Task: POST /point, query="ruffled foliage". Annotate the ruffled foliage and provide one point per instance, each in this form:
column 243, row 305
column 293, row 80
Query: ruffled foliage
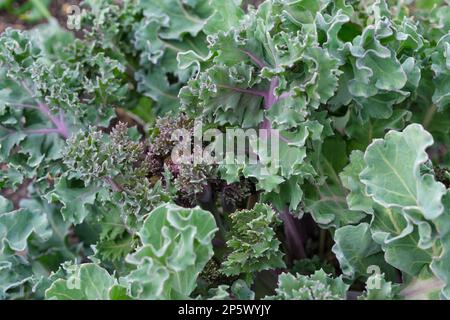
column 253, row 245
column 318, row 286
column 94, row 203
column 395, row 186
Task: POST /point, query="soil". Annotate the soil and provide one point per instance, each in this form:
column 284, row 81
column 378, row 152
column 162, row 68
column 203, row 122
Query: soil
column 57, row 9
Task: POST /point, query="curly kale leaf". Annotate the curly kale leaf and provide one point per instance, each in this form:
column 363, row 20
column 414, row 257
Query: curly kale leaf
column 176, row 245
column 88, row 281
column 395, row 185
column 377, row 288
column 318, row 286
column 253, row 242
column 22, row 231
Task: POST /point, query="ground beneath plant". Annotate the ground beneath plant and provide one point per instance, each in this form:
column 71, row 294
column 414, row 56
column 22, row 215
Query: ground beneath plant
column 57, row 9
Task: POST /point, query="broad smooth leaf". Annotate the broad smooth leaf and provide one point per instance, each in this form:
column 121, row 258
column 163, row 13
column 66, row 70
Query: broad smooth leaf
column 393, row 177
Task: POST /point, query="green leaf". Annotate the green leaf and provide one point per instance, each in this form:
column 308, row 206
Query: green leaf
column 318, row 286
column 17, row 226
column 14, row 274
column 441, row 69
column 176, row 245
column 179, row 17
column 377, row 288
column 326, row 200
column 356, row 252
column 253, row 245
column 84, row 282
column 441, row 263
column 393, row 178
column 75, row 199
column 357, row 198
column 226, row 15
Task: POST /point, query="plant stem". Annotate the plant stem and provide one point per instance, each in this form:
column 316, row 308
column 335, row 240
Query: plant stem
column 58, row 122
column 114, row 185
column 293, row 236
column 420, row 289
column 429, row 116
column 255, row 59
column 285, row 95
column 322, row 239
column 211, row 207
column 353, row 295
column 270, row 98
column 249, row 91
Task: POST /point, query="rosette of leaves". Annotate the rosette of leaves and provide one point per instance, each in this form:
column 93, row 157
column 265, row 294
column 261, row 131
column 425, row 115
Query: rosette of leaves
column 372, row 106
column 318, row 286
column 271, row 73
column 384, row 64
column 87, row 281
column 148, row 35
column 46, row 95
column 249, row 68
column 175, row 247
column 256, row 76
column 114, row 164
column 331, row 76
column 164, row 137
column 191, row 181
column 107, row 182
column 394, row 184
column 253, row 244
column 27, row 144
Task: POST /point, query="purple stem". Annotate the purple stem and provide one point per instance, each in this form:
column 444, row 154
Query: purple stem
column 266, row 124
column 249, row 91
column 58, row 122
column 255, row 59
column 271, row 98
column 61, row 127
column 293, row 237
column 269, row 101
column 353, row 295
column 218, row 242
column 114, row 185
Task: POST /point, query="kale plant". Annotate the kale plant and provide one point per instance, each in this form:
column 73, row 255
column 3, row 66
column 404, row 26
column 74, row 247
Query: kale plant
column 100, row 201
